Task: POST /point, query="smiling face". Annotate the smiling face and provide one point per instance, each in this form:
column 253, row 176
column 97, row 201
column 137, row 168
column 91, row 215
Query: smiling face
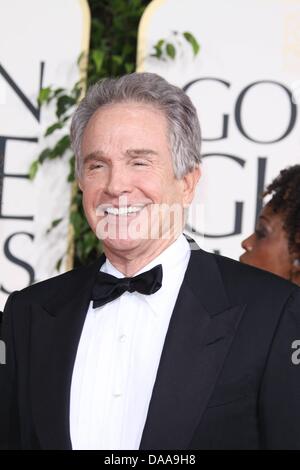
column 127, row 163
column 267, row 248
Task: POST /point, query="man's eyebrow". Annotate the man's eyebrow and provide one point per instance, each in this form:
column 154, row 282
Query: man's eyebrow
column 140, row 152
column 93, row 156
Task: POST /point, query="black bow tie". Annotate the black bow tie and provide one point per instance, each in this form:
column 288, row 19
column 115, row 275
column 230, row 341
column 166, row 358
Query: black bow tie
column 108, row 287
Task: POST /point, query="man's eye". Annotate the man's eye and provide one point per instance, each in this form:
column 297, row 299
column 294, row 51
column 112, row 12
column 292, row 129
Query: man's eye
column 95, row 166
column 140, row 163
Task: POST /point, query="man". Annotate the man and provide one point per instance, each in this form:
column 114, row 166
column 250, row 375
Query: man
column 155, row 345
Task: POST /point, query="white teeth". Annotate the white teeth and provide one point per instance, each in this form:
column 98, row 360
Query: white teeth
column 123, row 210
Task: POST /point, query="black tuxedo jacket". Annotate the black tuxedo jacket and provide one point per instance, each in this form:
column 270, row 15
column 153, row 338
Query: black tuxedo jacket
column 226, row 379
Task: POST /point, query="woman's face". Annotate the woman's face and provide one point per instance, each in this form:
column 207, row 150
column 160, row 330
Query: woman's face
column 267, row 248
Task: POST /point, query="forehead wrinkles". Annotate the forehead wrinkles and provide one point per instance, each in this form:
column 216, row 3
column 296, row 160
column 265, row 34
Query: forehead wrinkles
column 129, row 113
column 110, row 129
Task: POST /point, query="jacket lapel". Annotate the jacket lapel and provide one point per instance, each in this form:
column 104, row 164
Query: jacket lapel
column 56, row 330
column 200, row 333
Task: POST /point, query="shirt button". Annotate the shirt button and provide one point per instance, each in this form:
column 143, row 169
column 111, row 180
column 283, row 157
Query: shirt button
column 122, row 338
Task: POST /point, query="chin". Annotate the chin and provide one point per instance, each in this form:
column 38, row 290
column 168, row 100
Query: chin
column 121, row 244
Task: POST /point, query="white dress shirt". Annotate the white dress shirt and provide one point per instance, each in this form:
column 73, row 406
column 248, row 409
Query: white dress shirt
column 118, row 357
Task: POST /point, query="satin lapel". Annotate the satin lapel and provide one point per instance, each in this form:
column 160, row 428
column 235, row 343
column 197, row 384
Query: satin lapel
column 56, row 330
column 201, row 330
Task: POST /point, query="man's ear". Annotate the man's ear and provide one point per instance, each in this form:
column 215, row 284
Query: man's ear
column 295, row 270
column 79, row 184
column 190, row 181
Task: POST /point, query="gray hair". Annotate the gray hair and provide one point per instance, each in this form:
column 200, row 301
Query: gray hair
column 149, row 88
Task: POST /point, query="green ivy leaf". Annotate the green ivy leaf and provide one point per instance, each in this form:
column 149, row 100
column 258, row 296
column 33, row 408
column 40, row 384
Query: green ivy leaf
column 54, row 224
column 81, row 58
column 33, row 169
column 44, row 95
column 60, row 147
column 97, row 57
column 171, row 51
column 129, row 67
column 58, row 91
column 71, row 175
column 64, row 103
column 158, row 48
column 77, row 91
column 46, row 153
column 54, row 127
column 77, row 221
column 193, row 42
column 90, row 242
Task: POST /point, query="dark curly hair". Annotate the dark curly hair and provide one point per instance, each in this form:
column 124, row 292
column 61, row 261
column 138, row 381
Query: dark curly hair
column 285, row 199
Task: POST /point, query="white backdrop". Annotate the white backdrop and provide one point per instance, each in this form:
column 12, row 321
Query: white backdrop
column 40, row 42
column 245, row 84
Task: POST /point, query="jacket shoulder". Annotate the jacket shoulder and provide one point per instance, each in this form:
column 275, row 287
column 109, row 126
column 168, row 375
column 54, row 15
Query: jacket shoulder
column 44, row 290
column 249, row 280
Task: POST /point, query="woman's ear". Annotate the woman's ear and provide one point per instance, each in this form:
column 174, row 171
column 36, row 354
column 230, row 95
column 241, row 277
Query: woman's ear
column 295, row 270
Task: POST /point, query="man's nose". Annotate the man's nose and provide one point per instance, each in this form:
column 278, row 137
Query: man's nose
column 247, row 244
column 118, row 182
